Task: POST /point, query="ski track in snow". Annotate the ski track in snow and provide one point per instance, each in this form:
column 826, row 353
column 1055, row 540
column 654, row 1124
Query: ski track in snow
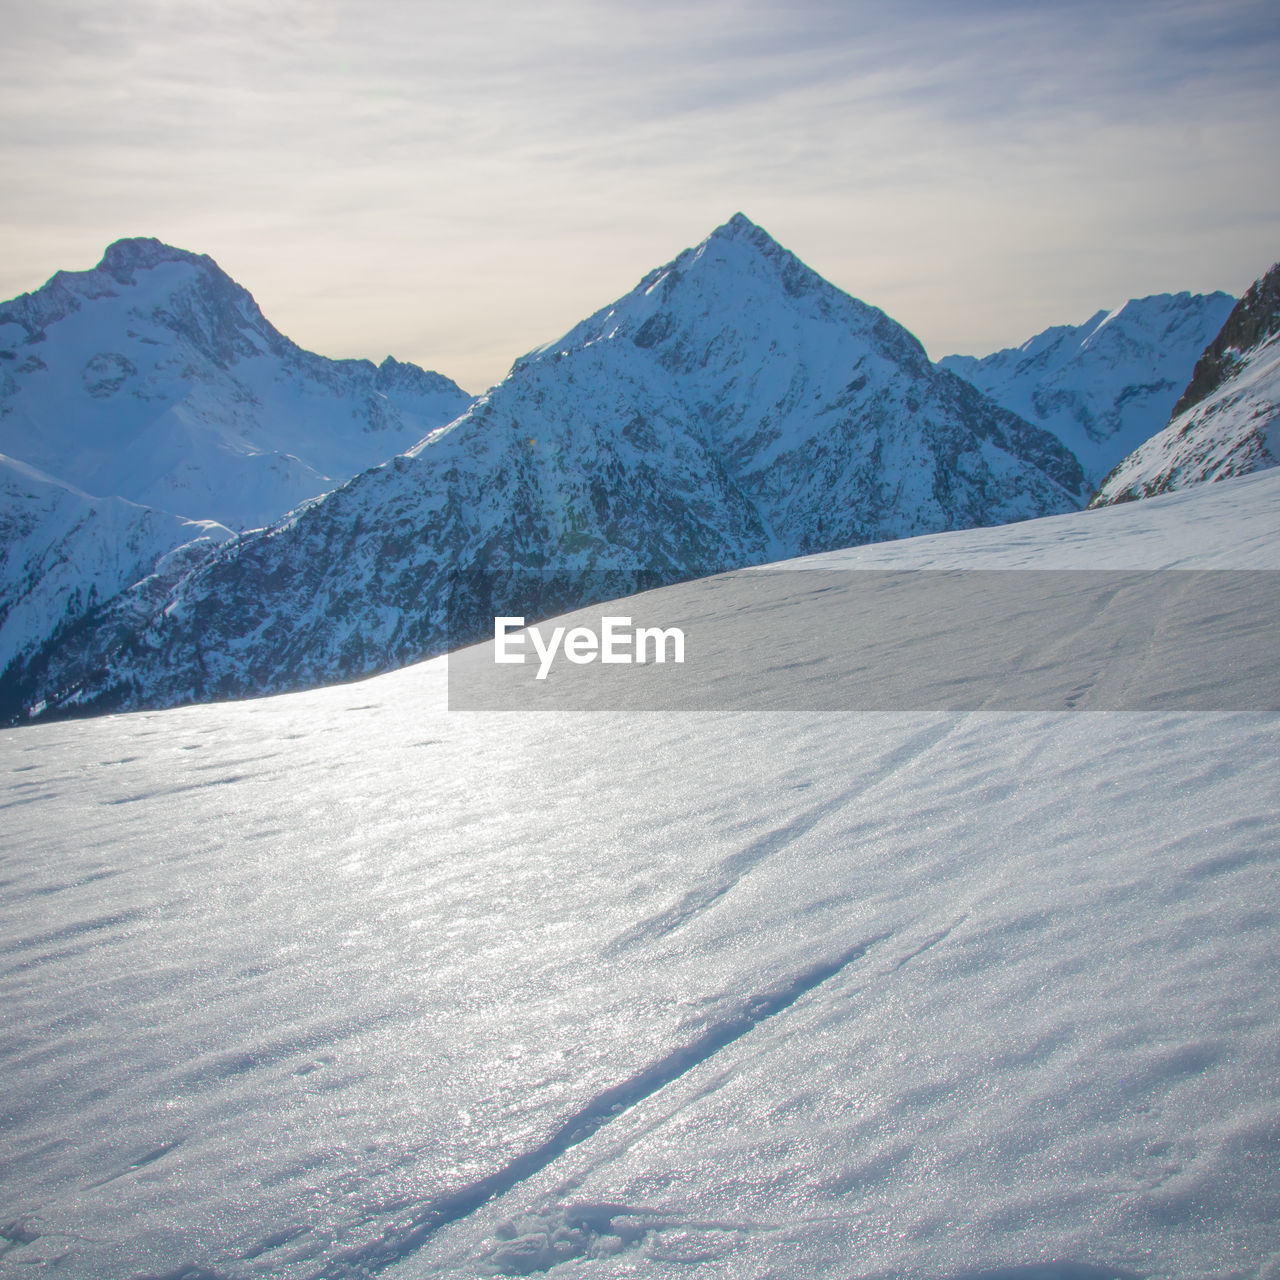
column 590, row 1223
column 598, row 1112
column 729, row 872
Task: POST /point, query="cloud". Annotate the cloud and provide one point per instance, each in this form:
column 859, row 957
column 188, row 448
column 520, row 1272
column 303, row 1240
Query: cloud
column 457, row 184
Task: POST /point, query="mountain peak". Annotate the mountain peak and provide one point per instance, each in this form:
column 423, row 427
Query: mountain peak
column 137, row 249
column 740, row 229
column 737, row 282
column 134, row 253
column 738, row 225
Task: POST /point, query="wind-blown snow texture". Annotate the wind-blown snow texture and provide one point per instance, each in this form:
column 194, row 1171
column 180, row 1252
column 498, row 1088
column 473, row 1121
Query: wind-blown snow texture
column 1226, row 422
column 1107, row 385
column 733, row 408
column 155, row 377
column 339, row 984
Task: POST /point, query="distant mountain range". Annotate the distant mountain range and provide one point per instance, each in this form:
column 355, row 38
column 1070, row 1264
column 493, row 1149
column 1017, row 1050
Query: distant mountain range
column 1227, row 422
column 155, row 377
column 732, row 409
column 1105, row 386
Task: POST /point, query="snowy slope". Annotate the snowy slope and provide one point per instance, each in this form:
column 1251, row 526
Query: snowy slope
column 1104, row 386
column 62, row 551
column 340, row 984
column 732, row 409
column 155, row 377
column 1226, row 422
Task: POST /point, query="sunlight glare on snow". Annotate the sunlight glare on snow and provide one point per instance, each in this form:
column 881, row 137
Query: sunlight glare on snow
column 338, row 983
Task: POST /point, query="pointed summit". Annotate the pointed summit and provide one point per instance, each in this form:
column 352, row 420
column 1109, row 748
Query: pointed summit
column 740, row 230
column 738, row 225
column 736, row 282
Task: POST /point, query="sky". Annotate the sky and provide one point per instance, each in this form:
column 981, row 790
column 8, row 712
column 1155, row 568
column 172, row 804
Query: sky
column 455, row 185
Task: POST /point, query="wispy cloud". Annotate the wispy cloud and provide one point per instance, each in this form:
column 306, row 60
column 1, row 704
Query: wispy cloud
column 456, row 184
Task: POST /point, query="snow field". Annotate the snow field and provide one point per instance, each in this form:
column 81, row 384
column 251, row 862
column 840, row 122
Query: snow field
column 340, row 984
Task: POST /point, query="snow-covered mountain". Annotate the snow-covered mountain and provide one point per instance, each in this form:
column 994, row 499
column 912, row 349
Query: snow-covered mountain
column 1104, row 386
column 1227, row 421
column 155, row 377
column 733, row 408
column 63, row 551
column 148, row 403
column 343, row 984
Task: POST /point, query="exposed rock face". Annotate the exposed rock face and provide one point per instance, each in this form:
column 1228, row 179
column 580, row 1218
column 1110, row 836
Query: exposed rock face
column 1253, row 320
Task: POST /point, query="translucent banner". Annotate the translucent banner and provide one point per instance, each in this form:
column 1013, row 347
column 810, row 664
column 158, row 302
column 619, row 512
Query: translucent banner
column 872, row 640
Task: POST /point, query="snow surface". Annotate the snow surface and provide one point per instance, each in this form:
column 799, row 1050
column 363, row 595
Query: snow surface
column 338, row 984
